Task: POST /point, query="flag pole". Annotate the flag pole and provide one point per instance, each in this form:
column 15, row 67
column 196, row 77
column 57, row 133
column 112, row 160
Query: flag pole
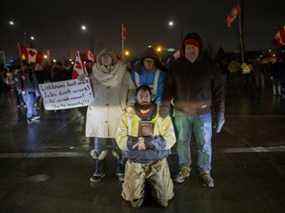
column 123, row 47
column 123, row 39
column 241, row 31
column 20, row 53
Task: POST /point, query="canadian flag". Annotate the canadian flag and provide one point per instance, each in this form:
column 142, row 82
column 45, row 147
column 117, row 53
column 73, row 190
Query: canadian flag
column 235, row 12
column 90, row 56
column 32, row 55
column 124, row 32
column 79, row 67
column 280, row 37
column 28, row 54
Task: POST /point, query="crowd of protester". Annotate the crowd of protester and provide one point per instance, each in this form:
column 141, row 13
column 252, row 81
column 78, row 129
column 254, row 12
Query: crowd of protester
column 144, row 106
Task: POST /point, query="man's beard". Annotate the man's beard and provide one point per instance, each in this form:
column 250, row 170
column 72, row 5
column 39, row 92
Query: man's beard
column 144, row 106
column 145, row 111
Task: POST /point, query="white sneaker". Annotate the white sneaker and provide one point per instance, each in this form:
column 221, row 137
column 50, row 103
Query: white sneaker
column 37, row 117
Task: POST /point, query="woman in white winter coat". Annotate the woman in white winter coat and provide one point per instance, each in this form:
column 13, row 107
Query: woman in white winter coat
column 113, row 90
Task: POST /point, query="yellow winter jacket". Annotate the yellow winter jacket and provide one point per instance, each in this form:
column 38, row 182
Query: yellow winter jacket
column 129, row 126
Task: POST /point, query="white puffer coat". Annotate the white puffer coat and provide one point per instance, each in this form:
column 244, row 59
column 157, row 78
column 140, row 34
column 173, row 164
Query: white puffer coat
column 113, row 89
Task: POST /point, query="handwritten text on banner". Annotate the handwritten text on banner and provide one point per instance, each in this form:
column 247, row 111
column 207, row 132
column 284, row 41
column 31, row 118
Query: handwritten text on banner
column 66, row 94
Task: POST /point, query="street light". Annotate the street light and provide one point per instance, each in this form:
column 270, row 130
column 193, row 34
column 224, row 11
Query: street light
column 127, row 53
column 178, row 24
column 170, row 23
column 11, row 23
column 32, row 38
column 159, row 49
column 83, row 27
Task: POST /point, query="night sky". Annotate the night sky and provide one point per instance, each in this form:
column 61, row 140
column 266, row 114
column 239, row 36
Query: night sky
column 56, row 24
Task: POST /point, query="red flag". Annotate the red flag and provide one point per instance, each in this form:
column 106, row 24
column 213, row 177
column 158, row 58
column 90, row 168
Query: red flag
column 124, row 32
column 90, row 56
column 78, row 67
column 32, row 55
column 40, row 58
column 280, row 37
column 22, row 52
column 235, row 12
column 27, row 54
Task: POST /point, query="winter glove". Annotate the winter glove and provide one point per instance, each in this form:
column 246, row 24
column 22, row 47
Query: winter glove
column 220, row 122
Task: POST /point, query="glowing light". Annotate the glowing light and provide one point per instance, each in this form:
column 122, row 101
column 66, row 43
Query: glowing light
column 159, row 49
column 11, row 23
column 83, row 27
column 54, row 60
column 127, row 53
column 171, row 23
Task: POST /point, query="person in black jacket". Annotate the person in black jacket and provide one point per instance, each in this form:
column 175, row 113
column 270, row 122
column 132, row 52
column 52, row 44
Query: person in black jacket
column 195, row 88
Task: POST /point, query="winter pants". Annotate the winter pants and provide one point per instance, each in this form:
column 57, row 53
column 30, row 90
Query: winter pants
column 30, row 100
column 157, row 173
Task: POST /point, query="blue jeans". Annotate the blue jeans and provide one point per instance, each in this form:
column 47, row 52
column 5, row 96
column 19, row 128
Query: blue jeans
column 201, row 127
column 30, row 100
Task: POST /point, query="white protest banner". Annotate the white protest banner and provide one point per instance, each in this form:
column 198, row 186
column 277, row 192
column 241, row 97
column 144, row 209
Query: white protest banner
column 66, row 94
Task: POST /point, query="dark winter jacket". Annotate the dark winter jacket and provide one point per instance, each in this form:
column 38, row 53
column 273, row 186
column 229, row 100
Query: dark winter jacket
column 27, row 81
column 195, row 88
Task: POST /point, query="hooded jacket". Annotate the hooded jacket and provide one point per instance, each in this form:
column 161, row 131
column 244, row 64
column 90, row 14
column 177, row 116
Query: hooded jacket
column 113, row 89
column 195, row 88
column 154, row 79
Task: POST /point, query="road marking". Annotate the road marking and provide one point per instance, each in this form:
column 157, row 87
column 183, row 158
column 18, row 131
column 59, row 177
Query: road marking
column 44, row 155
column 259, row 149
column 254, row 116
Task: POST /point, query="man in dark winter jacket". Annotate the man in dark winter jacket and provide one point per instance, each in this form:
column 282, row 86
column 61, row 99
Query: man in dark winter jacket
column 196, row 89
